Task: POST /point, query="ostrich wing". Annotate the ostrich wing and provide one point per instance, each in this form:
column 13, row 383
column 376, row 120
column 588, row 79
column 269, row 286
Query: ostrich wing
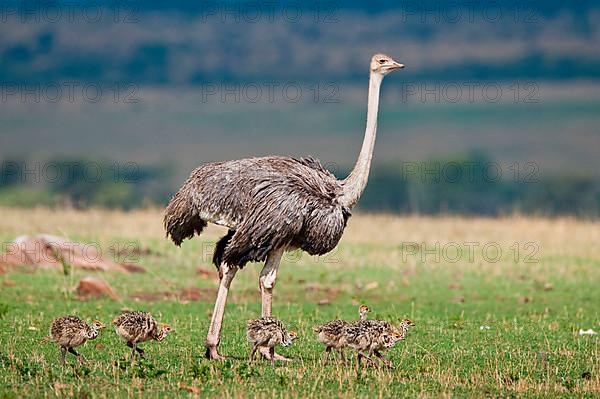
column 271, row 224
column 268, row 203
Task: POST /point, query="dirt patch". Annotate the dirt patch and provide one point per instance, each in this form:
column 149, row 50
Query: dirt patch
column 133, row 268
column 133, row 250
column 189, row 294
column 207, row 274
column 92, row 287
column 323, row 295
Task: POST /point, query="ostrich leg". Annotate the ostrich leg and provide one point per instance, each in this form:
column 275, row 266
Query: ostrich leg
column 214, row 331
column 266, row 282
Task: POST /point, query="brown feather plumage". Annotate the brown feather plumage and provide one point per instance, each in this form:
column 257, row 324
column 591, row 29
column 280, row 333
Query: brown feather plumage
column 69, row 332
column 136, row 327
column 370, row 337
column 331, row 334
column 268, row 332
column 267, row 203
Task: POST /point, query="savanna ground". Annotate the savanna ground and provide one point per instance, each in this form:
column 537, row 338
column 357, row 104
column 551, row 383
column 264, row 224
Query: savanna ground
column 488, row 324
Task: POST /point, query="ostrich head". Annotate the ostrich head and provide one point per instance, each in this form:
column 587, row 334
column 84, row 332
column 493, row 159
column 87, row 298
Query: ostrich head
column 165, row 329
column 95, row 329
column 396, row 336
column 97, row 325
column 291, row 336
column 362, row 311
column 383, row 64
column 406, row 324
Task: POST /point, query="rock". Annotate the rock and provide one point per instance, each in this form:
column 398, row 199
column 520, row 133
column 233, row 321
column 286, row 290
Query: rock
column 524, row 299
column 92, row 287
column 53, row 252
column 207, row 273
column 133, row 268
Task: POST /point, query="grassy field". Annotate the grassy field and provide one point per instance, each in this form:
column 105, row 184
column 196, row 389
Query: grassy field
column 498, row 304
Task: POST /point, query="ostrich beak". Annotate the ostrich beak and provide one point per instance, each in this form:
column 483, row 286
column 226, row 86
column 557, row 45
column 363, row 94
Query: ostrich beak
column 397, row 65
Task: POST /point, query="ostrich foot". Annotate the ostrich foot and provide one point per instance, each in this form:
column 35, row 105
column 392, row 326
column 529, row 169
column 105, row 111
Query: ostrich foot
column 212, row 354
column 265, row 352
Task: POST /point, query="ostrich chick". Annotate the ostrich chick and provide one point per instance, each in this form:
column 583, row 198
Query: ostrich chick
column 70, row 332
column 371, row 337
column 389, row 338
column 268, row 332
column 331, row 334
column 135, row 327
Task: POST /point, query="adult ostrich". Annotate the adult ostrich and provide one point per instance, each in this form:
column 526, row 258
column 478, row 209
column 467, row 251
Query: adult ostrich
column 271, row 205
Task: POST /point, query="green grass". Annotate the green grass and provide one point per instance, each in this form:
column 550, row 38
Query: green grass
column 531, row 348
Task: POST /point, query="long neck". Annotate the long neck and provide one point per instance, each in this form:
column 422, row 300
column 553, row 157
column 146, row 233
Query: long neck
column 355, row 183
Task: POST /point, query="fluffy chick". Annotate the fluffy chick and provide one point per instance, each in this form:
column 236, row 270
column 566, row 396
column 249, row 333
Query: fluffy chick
column 331, row 334
column 70, row 332
column 268, row 332
column 135, row 327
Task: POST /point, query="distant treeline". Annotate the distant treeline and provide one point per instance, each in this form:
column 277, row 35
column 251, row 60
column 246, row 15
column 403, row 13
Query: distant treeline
column 82, row 183
column 475, row 185
column 244, row 41
column 469, row 185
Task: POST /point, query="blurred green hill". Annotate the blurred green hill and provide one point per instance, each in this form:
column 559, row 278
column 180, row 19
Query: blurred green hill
column 467, row 185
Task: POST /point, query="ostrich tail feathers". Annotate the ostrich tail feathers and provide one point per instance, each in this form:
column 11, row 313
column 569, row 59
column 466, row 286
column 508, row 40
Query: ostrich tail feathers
column 181, row 219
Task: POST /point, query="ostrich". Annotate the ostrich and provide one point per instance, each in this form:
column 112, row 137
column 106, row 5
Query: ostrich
column 270, row 205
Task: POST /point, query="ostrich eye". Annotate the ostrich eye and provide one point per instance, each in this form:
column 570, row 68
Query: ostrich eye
column 382, row 61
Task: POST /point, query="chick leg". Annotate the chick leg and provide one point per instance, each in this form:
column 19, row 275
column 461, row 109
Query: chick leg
column 272, row 353
column 63, row 352
column 358, row 358
column 132, row 346
column 342, row 357
column 327, row 353
column 254, row 348
column 385, row 361
column 80, row 357
column 141, row 352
